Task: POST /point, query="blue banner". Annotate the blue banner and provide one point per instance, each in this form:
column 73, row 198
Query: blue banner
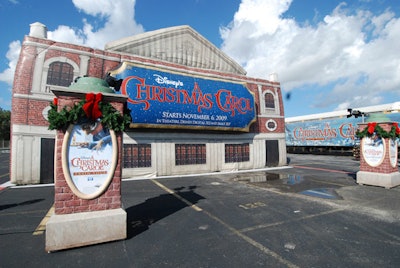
column 325, row 132
column 339, row 131
column 165, row 99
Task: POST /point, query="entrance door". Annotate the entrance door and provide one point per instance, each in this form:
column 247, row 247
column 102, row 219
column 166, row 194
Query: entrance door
column 47, row 160
column 272, row 153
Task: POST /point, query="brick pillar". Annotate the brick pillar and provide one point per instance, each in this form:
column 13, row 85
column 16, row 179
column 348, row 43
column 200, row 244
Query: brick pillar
column 381, row 170
column 65, row 201
column 82, row 219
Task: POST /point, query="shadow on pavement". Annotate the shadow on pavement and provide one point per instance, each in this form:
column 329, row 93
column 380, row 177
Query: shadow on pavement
column 6, row 206
column 141, row 216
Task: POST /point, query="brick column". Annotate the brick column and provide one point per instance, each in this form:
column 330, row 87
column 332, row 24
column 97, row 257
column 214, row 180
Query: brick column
column 84, row 221
column 65, row 201
column 382, row 173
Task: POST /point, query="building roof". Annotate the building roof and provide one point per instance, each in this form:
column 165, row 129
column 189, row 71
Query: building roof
column 180, row 45
column 382, row 108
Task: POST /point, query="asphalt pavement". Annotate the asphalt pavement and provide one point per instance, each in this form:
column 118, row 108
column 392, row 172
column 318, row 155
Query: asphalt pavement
column 4, row 166
column 308, row 214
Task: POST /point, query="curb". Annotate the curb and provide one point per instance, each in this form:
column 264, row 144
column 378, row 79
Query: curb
column 6, row 185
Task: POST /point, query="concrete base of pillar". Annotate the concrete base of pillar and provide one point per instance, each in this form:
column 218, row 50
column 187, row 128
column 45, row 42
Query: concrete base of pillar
column 86, row 228
column 378, row 179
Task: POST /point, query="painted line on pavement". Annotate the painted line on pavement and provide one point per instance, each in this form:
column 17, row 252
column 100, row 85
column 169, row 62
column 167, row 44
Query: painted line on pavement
column 328, row 182
column 317, row 193
column 193, row 206
column 274, row 224
column 42, row 225
column 22, row 212
column 230, row 228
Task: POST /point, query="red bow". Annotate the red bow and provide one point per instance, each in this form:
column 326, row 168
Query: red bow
column 397, row 128
column 91, row 107
column 371, row 127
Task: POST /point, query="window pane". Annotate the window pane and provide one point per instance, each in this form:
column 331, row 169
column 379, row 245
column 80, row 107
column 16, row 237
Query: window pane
column 190, row 154
column 237, row 153
column 137, row 155
column 60, row 74
column 269, row 101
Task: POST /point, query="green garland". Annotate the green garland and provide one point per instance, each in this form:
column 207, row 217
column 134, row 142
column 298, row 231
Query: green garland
column 111, row 118
column 375, row 129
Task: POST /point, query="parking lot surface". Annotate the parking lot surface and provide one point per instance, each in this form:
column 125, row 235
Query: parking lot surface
column 308, row 214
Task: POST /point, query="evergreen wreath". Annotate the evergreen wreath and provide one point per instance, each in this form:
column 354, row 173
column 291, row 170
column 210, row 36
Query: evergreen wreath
column 91, row 108
column 373, row 128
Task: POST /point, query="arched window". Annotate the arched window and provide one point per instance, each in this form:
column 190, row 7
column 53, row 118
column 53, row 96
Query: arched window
column 269, row 101
column 60, row 74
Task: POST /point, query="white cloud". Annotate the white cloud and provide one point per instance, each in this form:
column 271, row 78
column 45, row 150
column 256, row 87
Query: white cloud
column 262, row 15
column 253, row 23
column 117, row 20
column 118, row 17
column 347, row 54
column 12, row 55
column 67, row 34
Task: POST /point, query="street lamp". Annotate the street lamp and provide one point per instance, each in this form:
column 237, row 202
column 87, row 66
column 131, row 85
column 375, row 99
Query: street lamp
column 356, row 114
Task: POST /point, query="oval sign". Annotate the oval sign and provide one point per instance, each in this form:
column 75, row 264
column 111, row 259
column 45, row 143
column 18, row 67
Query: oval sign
column 89, row 158
column 373, row 150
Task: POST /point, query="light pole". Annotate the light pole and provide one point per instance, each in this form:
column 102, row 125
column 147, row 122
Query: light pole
column 356, row 114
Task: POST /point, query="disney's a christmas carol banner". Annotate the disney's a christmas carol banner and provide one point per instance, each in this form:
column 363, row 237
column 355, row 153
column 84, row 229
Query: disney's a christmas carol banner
column 161, row 98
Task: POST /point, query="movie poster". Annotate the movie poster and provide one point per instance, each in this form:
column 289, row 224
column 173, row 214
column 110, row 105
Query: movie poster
column 90, row 158
column 373, row 149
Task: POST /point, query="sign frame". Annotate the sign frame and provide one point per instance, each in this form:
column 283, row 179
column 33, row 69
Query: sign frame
column 71, row 179
column 373, row 150
column 393, row 152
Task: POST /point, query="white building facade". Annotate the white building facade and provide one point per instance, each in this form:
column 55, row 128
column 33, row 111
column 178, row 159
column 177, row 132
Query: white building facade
column 150, row 150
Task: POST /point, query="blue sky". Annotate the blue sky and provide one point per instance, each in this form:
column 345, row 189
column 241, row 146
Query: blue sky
column 328, row 55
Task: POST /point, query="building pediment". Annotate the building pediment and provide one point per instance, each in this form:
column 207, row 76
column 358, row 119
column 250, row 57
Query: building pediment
column 180, row 45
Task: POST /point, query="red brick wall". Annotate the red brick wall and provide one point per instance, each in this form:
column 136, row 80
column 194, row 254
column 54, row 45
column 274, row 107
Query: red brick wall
column 280, row 122
column 259, row 125
column 24, row 70
column 35, row 116
column 281, row 108
column 19, row 114
column 52, row 53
